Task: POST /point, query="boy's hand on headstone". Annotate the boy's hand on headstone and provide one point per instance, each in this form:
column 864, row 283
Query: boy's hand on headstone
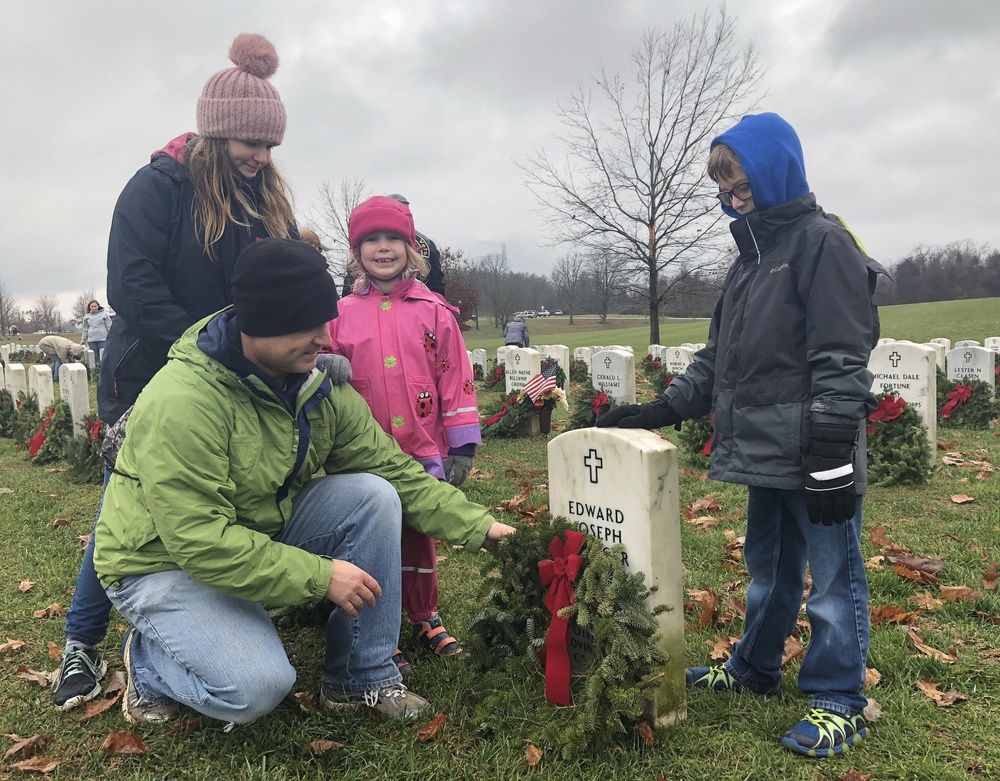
column 655, row 415
column 351, row 588
column 829, row 480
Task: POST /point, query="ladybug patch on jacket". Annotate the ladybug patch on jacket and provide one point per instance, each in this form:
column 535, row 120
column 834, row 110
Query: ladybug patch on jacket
column 445, row 364
column 468, row 387
column 429, row 341
column 424, row 405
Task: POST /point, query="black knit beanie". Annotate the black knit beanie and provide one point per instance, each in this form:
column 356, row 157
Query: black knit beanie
column 282, row 286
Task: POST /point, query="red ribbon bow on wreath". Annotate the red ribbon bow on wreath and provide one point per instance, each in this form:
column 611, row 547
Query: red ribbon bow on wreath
column 504, row 409
column 707, row 450
column 599, row 400
column 889, row 408
column 559, row 573
column 36, row 442
column 956, row 399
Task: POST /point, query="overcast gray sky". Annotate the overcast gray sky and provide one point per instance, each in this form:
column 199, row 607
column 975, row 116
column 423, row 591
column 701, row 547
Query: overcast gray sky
column 896, row 102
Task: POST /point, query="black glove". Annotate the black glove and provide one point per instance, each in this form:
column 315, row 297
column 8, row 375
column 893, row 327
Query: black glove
column 654, row 415
column 829, row 481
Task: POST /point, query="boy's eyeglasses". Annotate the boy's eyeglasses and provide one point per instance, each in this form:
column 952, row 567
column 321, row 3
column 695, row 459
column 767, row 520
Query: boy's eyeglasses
column 741, row 191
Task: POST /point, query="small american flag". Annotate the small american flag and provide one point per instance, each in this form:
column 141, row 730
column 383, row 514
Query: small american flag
column 540, row 383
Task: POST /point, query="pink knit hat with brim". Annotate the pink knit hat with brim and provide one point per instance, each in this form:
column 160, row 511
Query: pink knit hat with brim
column 381, row 214
column 240, row 102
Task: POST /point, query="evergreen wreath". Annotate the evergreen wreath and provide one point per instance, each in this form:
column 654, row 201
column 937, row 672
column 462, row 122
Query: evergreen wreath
column 27, row 357
column 695, row 436
column 477, row 372
column 507, row 421
column 898, row 447
column 650, row 365
column 8, row 414
column 83, row 454
column 610, row 691
column 578, row 372
column 58, row 432
column 966, row 404
column 497, row 378
column 660, row 379
column 28, row 419
column 547, row 365
column 586, row 403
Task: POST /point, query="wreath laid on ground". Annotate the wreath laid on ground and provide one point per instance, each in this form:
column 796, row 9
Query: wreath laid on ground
column 650, row 365
column 578, row 372
column 27, row 356
column 898, row 447
column 696, row 439
column 477, row 372
column 49, row 442
column 83, row 454
column 547, row 577
column 660, row 379
column 511, row 419
column 28, row 419
column 8, row 414
column 587, row 404
column 497, row 378
column 966, row 404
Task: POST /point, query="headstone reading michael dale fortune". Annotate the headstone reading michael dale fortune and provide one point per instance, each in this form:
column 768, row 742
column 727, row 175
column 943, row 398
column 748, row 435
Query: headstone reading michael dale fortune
column 620, row 487
column 909, row 371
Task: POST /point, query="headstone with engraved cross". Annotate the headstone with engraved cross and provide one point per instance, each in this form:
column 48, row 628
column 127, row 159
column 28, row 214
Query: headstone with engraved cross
column 584, row 354
column 973, row 363
column 620, row 487
column 992, row 342
column 909, row 371
column 966, row 343
column 40, row 383
column 479, row 359
column 678, row 359
column 944, row 341
column 614, row 373
column 74, row 391
column 16, row 379
column 522, row 364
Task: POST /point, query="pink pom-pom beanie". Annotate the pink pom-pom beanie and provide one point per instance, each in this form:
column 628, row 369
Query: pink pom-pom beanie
column 381, row 214
column 240, row 102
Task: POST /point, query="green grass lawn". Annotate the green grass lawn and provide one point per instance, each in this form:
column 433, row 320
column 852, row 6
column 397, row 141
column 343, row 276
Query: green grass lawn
column 725, row 737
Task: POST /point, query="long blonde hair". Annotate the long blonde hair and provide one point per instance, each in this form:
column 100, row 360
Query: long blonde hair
column 415, row 265
column 216, row 189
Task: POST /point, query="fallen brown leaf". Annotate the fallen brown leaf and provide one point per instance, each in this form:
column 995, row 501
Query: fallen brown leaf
column 42, row 765
column 55, row 652
column 892, row 614
column 61, row 522
column 96, row 707
column 961, row 499
column 987, row 617
column 115, row 684
column 720, row 647
column 432, row 730
column 941, row 699
column 54, row 469
column 305, row 700
column 320, row 747
column 874, row 562
column 28, row 674
column 990, row 577
column 11, row 645
column 124, row 743
column 84, row 540
column 793, row 650
column 187, row 726
column 872, row 677
column 916, row 576
column 955, row 593
column 930, row 651
column 879, row 540
column 928, row 602
column 532, row 754
column 854, row 775
column 55, row 609
column 705, row 504
column 25, row 585
column 6, row 490
column 27, row 747
column 705, row 522
column 930, row 566
column 872, row 711
column 646, row 733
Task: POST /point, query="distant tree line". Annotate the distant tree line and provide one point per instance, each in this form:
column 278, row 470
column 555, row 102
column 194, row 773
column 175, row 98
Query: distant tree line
column 956, row 271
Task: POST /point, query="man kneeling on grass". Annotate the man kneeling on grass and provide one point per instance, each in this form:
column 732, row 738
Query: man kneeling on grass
column 213, row 510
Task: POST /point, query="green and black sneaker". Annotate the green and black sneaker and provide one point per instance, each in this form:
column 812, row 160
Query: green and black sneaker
column 823, row 733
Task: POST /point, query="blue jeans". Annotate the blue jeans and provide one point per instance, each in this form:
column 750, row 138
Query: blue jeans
column 780, row 540
column 56, row 363
column 90, row 612
column 97, row 347
column 221, row 656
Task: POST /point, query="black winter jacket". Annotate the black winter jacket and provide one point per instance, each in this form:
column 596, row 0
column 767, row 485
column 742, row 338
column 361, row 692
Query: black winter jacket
column 160, row 281
column 788, row 346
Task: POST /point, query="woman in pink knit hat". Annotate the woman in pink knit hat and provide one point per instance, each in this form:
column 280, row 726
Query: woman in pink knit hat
column 176, row 232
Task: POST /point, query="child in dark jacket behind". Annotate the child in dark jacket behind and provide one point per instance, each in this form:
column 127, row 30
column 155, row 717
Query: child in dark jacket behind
column 785, row 375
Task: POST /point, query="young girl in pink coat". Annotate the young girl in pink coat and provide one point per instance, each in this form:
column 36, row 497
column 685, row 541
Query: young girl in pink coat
column 411, row 366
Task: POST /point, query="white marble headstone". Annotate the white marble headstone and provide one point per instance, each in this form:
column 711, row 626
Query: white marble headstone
column 910, row 372
column 940, row 351
column 588, row 470
column 40, row 383
column 479, row 359
column 502, row 353
column 75, row 392
column 560, row 354
column 654, row 350
column 614, row 373
column 885, row 340
column 522, row 364
column 16, row 379
column 973, row 363
column 967, row 343
column 584, row 354
column 944, row 341
column 992, row 342
column 678, row 359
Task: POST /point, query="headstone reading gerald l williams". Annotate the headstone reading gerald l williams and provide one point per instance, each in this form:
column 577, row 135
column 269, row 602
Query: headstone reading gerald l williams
column 973, row 363
column 40, row 383
column 16, row 379
column 620, row 487
column 614, row 373
column 910, row 372
column 678, row 359
column 522, row 364
column 75, row 392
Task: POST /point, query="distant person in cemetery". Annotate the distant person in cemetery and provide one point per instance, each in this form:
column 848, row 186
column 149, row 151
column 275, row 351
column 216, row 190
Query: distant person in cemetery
column 409, row 363
column 96, row 324
column 60, row 350
column 785, row 377
column 177, row 229
column 14, row 332
column 433, row 277
column 214, row 511
column 515, row 333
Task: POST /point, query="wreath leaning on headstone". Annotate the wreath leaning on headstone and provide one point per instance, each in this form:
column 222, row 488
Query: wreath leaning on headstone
column 578, row 371
column 83, row 454
column 28, row 419
column 547, row 577
column 966, row 404
column 696, row 439
column 8, row 414
column 49, row 442
column 497, row 377
column 587, row 404
column 898, row 447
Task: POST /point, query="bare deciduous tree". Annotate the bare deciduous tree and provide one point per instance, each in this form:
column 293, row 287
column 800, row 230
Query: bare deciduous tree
column 635, row 179
column 47, row 314
column 607, row 272
column 500, row 290
column 9, row 311
column 335, row 207
column 568, row 276
column 80, row 305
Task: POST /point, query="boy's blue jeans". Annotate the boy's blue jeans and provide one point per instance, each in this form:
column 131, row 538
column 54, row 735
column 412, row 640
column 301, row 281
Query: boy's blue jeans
column 221, row 656
column 90, row 612
column 780, row 541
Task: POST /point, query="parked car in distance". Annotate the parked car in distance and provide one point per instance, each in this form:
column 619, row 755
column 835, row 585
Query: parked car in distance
column 558, row 312
column 543, row 313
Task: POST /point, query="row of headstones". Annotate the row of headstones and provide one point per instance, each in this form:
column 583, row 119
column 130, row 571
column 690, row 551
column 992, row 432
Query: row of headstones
column 7, row 349
column 37, row 379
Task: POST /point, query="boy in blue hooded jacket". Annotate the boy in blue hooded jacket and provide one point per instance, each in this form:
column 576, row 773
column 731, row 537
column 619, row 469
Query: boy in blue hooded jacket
column 785, row 375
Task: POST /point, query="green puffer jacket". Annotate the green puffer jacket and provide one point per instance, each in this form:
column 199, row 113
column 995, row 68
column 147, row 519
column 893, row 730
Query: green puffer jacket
column 206, row 457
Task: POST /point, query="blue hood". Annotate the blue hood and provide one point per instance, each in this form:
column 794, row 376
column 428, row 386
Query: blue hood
column 771, row 156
